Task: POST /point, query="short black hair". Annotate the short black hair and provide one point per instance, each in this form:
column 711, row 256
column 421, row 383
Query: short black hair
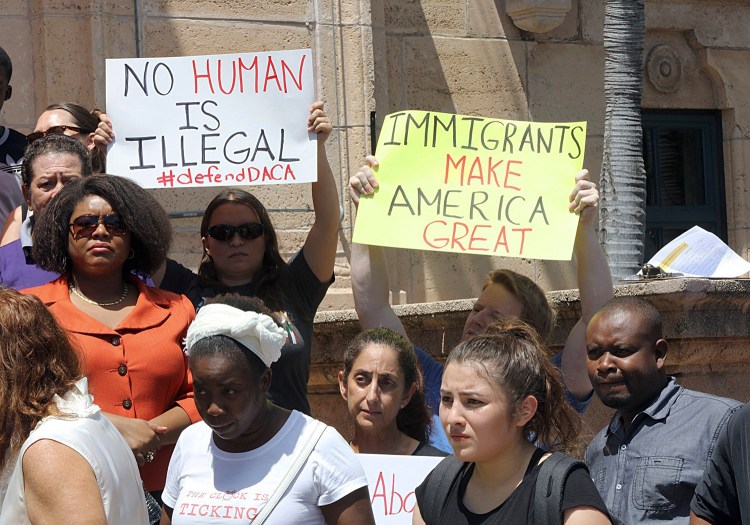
column 145, row 219
column 650, row 317
column 6, row 63
column 50, row 145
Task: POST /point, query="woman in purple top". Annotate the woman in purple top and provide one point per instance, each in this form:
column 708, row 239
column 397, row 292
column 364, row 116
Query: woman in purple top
column 90, row 128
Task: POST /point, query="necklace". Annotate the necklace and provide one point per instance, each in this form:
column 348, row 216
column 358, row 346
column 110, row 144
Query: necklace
column 73, row 288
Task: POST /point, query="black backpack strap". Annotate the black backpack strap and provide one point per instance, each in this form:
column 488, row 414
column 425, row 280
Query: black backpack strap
column 437, row 489
column 550, row 485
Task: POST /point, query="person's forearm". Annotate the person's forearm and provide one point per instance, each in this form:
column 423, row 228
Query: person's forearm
column 176, row 420
column 595, row 289
column 371, row 289
column 12, row 227
column 594, row 277
column 322, row 240
column 695, row 520
column 116, row 420
column 325, row 196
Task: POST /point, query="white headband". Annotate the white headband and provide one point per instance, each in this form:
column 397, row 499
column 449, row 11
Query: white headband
column 258, row 332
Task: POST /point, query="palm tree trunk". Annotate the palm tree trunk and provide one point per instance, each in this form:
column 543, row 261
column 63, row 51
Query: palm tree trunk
column 623, row 178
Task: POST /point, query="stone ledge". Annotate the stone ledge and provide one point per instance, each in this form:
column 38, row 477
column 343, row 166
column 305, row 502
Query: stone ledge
column 689, row 307
column 706, row 321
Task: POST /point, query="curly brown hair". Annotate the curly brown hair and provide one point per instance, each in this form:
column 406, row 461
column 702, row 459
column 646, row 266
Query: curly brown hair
column 145, row 219
column 511, row 355
column 37, row 361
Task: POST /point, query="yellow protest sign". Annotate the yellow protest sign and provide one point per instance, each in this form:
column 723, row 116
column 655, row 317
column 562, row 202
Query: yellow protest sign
column 466, row 184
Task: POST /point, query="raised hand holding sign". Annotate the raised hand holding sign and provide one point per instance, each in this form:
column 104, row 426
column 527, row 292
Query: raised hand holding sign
column 468, row 184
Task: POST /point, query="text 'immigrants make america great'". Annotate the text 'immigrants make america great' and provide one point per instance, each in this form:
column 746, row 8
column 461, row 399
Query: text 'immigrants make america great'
column 468, row 184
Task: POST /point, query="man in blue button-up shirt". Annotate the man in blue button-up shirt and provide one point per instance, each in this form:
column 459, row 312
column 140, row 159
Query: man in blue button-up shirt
column 647, row 462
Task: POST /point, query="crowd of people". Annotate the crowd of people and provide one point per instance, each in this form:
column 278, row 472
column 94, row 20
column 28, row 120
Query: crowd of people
column 163, row 395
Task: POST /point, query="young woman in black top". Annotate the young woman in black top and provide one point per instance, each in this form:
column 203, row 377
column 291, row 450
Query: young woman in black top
column 499, row 395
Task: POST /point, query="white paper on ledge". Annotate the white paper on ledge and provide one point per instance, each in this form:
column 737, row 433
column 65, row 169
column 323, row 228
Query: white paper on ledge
column 698, row 253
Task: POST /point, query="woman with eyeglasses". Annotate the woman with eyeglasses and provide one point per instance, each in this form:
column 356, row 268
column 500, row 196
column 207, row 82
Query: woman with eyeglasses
column 91, row 128
column 97, row 233
column 241, row 255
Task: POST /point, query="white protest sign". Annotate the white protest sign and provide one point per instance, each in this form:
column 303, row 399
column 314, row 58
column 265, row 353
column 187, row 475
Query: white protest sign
column 217, row 120
column 699, row 253
column 392, row 480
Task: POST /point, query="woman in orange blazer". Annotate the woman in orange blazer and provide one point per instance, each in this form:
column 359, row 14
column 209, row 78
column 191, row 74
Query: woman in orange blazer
column 99, row 233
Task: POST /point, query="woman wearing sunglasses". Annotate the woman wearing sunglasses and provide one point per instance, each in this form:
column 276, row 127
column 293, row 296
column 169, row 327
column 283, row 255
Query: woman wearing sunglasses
column 96, row 233
column 241, row 255
column 77, row 122
column 91, row 128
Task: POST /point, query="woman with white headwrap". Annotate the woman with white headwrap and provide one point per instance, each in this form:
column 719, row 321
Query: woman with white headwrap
column 247, row 454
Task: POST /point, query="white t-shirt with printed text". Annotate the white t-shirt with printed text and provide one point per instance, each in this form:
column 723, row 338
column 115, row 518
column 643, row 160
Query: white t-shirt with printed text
column 209, row 486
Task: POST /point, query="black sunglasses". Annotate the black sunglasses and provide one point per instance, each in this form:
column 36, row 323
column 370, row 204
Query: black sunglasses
column 224, row 232
column 54, row 130
column 85, row 225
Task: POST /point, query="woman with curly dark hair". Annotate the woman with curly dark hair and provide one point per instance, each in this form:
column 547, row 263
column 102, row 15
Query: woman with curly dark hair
column 51, row 431
column 97, row 233
column 384, row 391
column 499, row 395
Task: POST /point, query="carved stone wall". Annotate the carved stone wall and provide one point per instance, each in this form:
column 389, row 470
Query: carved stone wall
column 537, row 16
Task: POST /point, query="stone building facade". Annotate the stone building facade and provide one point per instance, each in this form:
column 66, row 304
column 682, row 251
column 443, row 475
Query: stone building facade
column 379, row 56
